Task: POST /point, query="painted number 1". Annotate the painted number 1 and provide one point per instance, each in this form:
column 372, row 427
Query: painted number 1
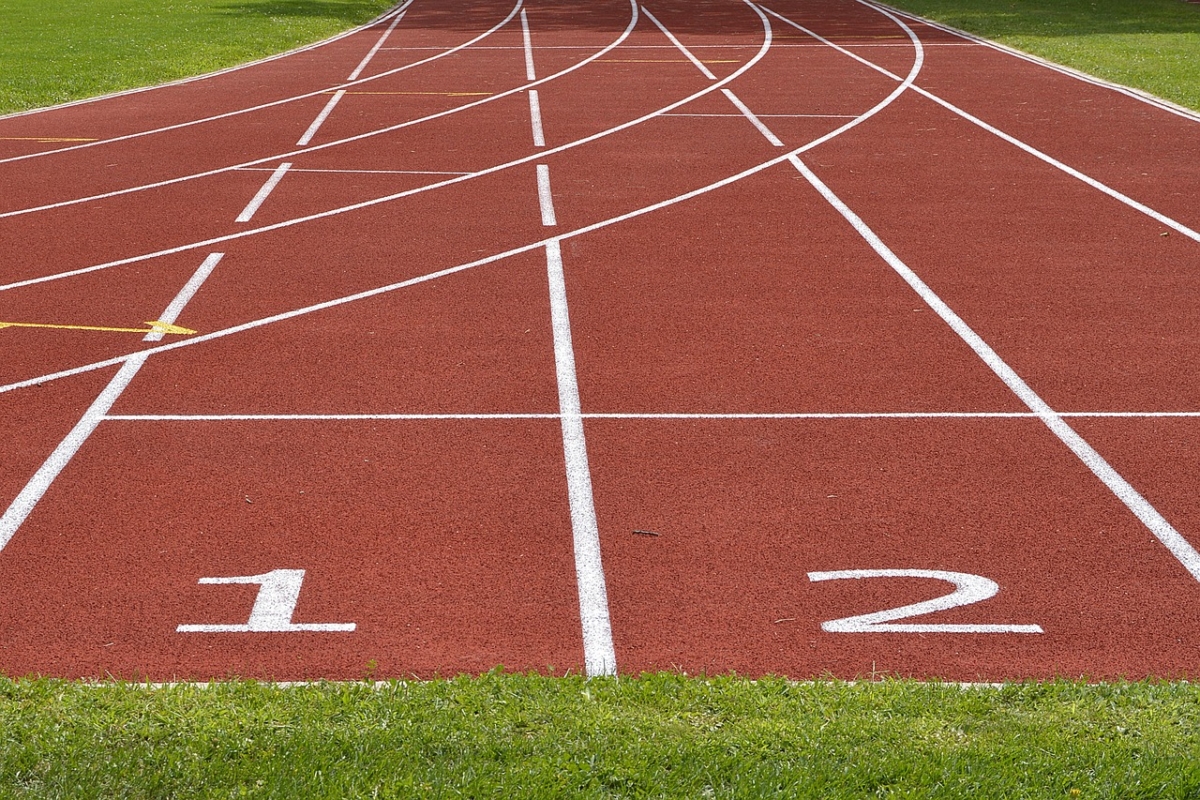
column 278, row 593
column 968, row 589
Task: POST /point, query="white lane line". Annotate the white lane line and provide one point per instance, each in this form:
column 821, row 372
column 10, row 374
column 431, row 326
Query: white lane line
column 25, row 502
column 798, row 415
column 535, row 117
column 489, row 170
column 273, row 103
column 770, row 116
column 185, row 295
column 360, row 171
column 755, row 121
column 367, row 59
column 699, row 65
column 316, row 124
column 469, row 265
column 530, row 74
column 599, row 655
column 973, row 41
column 1074, row 173
column 266, row 189
column 545, row 198
column 1141, row 508
column 1090, row 181
column 348, row 139
column 315, row 417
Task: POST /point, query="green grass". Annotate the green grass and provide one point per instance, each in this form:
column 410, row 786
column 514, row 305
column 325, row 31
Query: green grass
column 658, row 736
column 1153, row 45
column 51, row 52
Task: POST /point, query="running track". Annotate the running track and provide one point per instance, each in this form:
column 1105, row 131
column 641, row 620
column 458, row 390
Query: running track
column 604, row 338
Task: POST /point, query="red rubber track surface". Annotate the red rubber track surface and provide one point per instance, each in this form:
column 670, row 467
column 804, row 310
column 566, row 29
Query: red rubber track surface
column 382, row 384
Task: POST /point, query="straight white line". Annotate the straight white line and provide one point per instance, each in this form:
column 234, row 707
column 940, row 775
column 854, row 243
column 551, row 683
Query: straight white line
column 545, row 197
column 1141, row 508
column 185, row 295
column 266, row 189
column 700, row 66
column 360, row 171
column 315, row 417
column 535, row 117
column 799, row 415
column 530, row 74
column 755, row 121
column 24, row 503
column 316, row 124
column 1074, row 173
column 1095, row 184
column 599, row 655
column 21, row 507
column 367, row 59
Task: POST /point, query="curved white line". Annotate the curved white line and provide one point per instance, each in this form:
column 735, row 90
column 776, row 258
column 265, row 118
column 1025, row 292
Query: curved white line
column 381, row 290
column 273, row 103
column 1083, row 177
column 752, row 62
column 336, row 142
column 215, row 73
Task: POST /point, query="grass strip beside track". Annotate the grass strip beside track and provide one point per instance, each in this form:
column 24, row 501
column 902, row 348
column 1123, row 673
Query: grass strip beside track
column 661, row 735
column 55, row 52
column 1152, row 45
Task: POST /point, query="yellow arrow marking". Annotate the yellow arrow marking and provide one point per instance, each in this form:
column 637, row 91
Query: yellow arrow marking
column 43, row 139
column 156, row 326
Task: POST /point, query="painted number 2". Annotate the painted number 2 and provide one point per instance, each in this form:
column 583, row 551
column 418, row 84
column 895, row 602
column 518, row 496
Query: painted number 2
column 968, row 589
column 278, row 593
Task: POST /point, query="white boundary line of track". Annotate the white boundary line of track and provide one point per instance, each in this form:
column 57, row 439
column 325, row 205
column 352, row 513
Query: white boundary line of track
column 1031, row 150
column 271, row 104
column 665, row 415
column 469, row 265
column 207, row 75
column 1129, row 91
column 335, row 143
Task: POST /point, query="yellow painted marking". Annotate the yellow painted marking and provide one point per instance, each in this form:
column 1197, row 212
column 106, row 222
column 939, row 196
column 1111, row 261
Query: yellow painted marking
column 156, row 326
column 661, row 61
column 43, row 139
column 439, row 94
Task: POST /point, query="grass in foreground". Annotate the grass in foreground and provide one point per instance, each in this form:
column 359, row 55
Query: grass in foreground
column 657, row 736
column 52, row 52
column 1153, row 45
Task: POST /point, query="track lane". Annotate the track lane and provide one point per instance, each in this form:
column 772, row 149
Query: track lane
column 96, row 165
column 200, row 94
column 351, row 298
column 741, row 539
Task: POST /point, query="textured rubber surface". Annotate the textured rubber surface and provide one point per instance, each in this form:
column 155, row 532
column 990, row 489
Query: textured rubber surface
column 540, row 352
